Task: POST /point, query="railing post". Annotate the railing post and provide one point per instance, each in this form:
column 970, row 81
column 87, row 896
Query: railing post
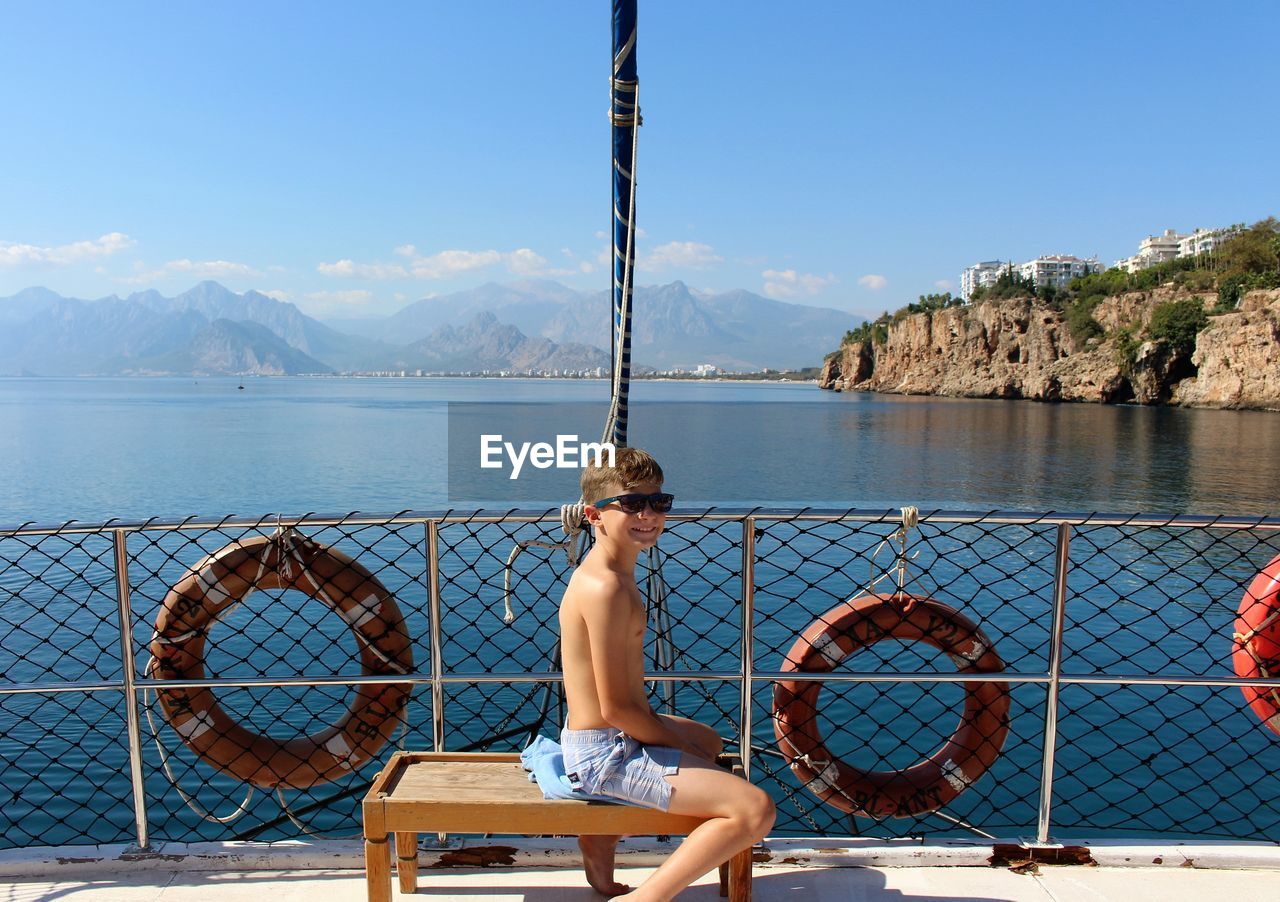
column 1061, row 568
column 130, row 690
column 748, row 640
column 437, row 653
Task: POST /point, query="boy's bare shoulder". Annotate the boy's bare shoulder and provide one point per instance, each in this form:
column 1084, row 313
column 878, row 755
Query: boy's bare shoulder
column 597, row 586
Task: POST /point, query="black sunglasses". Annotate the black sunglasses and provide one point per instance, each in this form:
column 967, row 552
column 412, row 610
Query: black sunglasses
column 634, row 502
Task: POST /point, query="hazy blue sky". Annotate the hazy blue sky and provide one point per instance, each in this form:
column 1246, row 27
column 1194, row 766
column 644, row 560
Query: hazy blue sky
column 854, row 155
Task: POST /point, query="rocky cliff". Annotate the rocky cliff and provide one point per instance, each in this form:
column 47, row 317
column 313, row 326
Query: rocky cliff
column 1024, row 349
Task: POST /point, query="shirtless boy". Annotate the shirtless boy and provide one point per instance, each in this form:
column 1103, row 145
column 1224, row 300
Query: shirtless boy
column 614, row 743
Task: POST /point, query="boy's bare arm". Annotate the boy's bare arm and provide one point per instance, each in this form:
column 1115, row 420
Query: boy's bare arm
column 617, row 662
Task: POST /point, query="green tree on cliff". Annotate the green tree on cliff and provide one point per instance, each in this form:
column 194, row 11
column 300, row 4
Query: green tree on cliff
column 927, row 303
column 1009, row 284
column 1248, row 260
column 1255, row 250
column 1178, row 323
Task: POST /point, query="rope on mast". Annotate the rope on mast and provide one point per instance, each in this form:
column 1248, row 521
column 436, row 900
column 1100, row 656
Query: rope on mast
column 625, row 119
column 615, row 427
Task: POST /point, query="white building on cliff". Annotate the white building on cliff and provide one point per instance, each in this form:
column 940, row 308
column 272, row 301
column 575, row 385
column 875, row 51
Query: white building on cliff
column 980, row 275
column 1057, row 269
column 1170, row 245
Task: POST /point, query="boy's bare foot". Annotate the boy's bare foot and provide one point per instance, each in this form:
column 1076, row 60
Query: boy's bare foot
column 597, row 861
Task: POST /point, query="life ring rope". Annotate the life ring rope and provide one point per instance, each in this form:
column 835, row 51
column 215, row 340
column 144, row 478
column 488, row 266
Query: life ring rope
column 190, row 801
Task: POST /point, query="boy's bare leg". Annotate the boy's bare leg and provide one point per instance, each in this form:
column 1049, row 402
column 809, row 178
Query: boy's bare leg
column 741, row 815
column 698, row 735
column 597, row 861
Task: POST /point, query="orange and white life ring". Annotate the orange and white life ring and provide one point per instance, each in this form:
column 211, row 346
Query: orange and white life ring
column 1257, row 642
column 930, row 784
column 286, row 560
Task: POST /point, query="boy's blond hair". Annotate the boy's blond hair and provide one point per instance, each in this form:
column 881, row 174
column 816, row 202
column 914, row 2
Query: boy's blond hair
column 631, row 467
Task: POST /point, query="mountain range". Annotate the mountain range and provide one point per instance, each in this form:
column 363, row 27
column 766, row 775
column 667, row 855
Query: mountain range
column 530, row 326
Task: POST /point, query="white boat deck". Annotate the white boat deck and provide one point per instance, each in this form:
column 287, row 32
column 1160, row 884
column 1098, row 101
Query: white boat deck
column 545, row 870
column 792, row 883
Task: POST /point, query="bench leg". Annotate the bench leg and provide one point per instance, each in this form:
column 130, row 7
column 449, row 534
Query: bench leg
column 740, row 876
column 407, row 861
column 377, row 869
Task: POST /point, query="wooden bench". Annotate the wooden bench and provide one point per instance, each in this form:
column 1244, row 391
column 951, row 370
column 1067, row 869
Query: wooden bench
column 428, row 792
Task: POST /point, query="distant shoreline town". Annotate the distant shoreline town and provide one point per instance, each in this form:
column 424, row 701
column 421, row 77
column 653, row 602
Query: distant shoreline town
column 703, row 372
column 520, row 328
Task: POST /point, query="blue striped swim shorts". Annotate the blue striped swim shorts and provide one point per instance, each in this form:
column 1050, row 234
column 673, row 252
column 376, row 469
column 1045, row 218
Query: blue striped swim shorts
column 610, row 763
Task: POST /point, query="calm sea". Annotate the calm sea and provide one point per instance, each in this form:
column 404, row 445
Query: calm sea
column 92, row 449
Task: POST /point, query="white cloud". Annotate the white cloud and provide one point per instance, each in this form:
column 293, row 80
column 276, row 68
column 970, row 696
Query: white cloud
column 787, row 283
column 873, row 281
column 351, row 270
column 15, row 254
column 451, row 263
column 679, row 254
column 944, row 284
column 277, row 294
column 198, row 269
column 584, row 266
column 212, row 269
column 354, row 296
column 524, row 262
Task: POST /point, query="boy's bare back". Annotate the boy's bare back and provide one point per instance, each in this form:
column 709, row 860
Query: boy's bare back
column 602, row 623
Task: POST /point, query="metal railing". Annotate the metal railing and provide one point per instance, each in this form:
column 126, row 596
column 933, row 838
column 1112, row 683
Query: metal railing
column 1142, row 614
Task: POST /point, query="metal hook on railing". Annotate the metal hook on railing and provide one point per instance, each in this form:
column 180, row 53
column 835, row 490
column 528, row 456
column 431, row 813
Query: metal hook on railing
column 898, row 570
column 285, row 539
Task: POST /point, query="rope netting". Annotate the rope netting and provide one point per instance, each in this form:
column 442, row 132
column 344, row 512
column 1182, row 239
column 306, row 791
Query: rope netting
column 264, row 714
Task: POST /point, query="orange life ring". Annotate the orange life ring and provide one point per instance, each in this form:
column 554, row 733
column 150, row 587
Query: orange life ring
column 931, row 783
column 1257, row 642
column 286, row 560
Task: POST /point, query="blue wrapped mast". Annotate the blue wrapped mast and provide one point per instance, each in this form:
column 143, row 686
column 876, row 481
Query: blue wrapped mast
column 624, row 115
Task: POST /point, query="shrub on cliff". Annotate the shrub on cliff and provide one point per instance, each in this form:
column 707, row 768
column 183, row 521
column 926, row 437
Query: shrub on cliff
column 1127, row 345
column 1248, row 260
column 1178, row 323
column 1254, row 250
column 1080, row 321
column 928, row 303
column 1098, row 285
column 875, row 331
column 1234, row 287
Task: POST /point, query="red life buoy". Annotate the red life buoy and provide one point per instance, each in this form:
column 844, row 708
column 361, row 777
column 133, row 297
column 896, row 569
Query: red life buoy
column 1257, row 642
column 287, row 560
column 931, row 783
